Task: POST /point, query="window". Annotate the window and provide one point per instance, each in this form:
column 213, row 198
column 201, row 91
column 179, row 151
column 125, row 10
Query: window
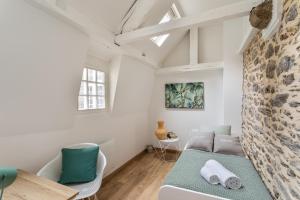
column 159, row 40
column 92, row 90
column 173, row 13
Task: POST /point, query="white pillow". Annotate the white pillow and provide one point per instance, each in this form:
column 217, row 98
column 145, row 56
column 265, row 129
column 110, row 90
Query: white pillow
column 203, row 141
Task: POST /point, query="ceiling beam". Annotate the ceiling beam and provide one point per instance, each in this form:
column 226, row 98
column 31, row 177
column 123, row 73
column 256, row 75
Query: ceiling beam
column 213, row 16
column 191, row 68
column 194, row 45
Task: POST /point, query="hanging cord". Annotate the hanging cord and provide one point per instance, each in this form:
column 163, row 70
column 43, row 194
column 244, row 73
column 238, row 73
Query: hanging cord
column 2, row 185
column 126, row 17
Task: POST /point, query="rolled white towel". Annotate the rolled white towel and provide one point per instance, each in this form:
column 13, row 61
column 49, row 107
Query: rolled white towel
column 226, row 177
column 209, row 175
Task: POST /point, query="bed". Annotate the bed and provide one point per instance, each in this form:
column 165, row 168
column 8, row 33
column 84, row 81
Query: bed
column 184, row 181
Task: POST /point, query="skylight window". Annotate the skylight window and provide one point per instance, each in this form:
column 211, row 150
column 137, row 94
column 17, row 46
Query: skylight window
column 173, row 13
column 159, row 40
column 166, row 18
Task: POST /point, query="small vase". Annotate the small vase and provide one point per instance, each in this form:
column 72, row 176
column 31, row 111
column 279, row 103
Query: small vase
column 161, row 132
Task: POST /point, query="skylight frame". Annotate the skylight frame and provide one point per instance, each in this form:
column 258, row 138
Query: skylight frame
column 173, row 13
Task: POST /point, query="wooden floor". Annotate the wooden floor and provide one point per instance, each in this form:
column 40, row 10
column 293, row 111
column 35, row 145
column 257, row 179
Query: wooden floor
column 139, row 180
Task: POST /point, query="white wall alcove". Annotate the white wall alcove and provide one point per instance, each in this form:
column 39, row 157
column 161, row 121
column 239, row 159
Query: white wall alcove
column 275, row 21
column 268, row 32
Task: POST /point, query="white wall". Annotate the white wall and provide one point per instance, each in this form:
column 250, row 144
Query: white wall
column 179, row 55
column 183, row 121
column 40, row 73
column 127, row 122
column 41, row 61
column 113, row 79
column 219, row 43
column 210, row 44
column 210, row 47
column 134, row 87
column 233, row 73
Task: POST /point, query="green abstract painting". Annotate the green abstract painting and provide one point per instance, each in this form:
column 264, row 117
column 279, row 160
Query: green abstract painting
column 184, row 95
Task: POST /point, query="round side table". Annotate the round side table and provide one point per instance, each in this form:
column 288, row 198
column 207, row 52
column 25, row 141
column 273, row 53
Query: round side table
column 164, row 146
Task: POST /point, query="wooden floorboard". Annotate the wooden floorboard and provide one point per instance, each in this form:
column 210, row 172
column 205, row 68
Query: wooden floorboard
column 140, row 179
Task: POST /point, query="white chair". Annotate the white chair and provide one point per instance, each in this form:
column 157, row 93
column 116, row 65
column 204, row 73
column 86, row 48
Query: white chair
column 52, row 171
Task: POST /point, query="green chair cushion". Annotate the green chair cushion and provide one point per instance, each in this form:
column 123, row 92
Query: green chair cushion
column 79, row 165
column 7, row 176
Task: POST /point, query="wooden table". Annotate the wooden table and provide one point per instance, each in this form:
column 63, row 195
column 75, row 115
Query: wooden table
column 31, row 187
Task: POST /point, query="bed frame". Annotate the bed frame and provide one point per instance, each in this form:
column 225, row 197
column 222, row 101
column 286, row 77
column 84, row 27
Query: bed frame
column 169, row 192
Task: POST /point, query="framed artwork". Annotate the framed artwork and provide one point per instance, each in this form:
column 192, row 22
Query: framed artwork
column 184, row 95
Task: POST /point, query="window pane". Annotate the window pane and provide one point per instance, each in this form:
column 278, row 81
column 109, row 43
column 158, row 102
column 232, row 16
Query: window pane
column 92, row 102
column 166, row 18
column 159, row 40
column 100, row 102
column 100, row 89
column 82, row 103
column 83, row 88
column 91, row 75
column 92, row 88
column 84, row 74
column 100, row 77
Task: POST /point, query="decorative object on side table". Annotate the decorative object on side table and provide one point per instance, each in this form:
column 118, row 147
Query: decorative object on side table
column 184, row 95
column 161, row 132
column 171, row 135
column 7, row 177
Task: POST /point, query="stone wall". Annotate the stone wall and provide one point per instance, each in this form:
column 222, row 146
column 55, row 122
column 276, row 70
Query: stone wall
column 271, row 105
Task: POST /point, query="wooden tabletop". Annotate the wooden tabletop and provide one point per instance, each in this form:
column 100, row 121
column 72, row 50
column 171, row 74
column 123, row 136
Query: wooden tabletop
column 31, row 187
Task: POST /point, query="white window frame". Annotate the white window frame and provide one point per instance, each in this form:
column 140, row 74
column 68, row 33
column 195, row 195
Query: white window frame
column 87, row 81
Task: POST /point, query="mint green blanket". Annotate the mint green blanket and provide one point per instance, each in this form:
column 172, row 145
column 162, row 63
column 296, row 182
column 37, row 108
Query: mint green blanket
column 186, row 174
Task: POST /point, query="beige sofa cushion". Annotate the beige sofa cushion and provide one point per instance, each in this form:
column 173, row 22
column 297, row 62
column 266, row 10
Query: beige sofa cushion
column 202, row 141
column 226, row 144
